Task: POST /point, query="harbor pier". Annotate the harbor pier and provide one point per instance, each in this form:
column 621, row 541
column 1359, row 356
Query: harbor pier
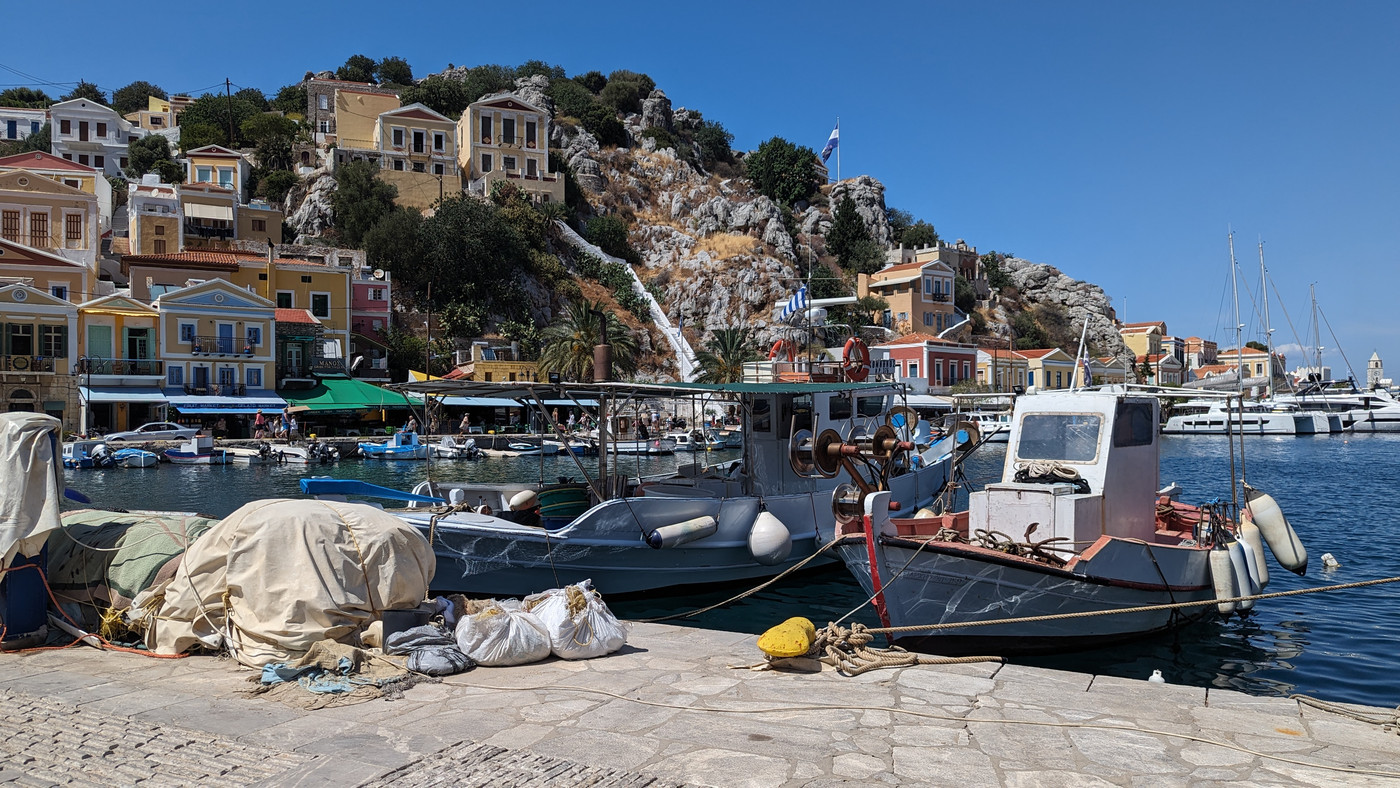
column 677, row 706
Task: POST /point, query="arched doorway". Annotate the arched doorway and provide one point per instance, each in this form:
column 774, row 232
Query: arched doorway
column 21, row 400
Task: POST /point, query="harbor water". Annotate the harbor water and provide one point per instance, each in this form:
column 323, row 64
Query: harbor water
column 1340, row 493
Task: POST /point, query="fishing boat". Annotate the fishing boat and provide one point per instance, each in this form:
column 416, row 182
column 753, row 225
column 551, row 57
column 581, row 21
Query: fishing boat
column 198, row 450
column 87, row 454
column 523, row 449
column 450, row 449
column 993, row 426
column 135, row 458
column 401, row 446
column 745, row 519
column 311, row 453
column 1075, row 525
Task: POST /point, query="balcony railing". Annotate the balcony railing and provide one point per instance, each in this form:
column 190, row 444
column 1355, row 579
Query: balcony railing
column 222, row 233
column 119, row 366
column 220, row 346
column 941, row 298
column 227, row 389
column 26, row 364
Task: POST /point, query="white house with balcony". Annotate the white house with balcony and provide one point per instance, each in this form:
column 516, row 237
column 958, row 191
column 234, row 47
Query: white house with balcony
column 504, row 137
column 16, row 123
column 93, row 134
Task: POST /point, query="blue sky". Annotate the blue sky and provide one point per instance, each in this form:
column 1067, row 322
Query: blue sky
column 1116, row 141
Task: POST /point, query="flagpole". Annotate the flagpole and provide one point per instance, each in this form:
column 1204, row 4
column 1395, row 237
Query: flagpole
column 838, row 148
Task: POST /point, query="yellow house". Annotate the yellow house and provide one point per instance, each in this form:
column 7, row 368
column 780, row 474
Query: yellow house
column 498, row 364
column 69, row 173
column 157, row 116
column 1002, row 370
column 920, row 295
column 1048, row 368
column 418, row 154
column 153, row 217
column 61, row 278
column 505, row 138
column 357, row 117
column 218, row 165
column 38, row 341
column 55, row 217
column 1144, row 339
column 323, row 290
column 1107, row 370
column 216, row 340
column 119, row 368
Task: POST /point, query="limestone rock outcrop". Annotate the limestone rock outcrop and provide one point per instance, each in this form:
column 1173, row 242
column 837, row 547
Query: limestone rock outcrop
column 869, row 196
column 534, row 90
column 308, row 205
column 1038, row 283
column 656, row 111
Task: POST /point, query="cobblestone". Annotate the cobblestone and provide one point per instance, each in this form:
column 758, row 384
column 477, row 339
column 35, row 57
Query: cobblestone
column 485, row 765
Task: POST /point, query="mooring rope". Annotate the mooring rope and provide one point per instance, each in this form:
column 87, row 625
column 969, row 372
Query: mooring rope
column 747, row 593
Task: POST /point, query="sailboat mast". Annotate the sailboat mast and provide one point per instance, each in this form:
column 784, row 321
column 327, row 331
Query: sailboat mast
column 1317, row 333
column 1239, row 327
column 1268, row 329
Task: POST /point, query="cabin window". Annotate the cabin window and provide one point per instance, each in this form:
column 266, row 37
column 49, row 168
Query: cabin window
column 870, row 407
column 796, row 415
column 839, row 408
column 762, row 419
column 1060, row 437
column 1132, row 425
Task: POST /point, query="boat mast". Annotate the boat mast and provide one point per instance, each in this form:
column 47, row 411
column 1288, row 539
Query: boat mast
column 1239, row 354
column 1268, row 329
column 1317, row 332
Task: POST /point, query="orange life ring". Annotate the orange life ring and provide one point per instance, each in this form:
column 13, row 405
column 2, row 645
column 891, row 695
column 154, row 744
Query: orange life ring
column 855, row 360
column 783, row 347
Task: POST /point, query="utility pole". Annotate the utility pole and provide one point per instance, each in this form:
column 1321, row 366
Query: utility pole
column 228, row 95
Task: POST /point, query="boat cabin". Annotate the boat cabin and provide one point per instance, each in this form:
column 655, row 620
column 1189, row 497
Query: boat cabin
column 1079, row 465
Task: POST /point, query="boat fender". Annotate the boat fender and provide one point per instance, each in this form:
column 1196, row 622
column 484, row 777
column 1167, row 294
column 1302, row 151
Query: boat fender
column 1249, row 534
column 925, row 513
column 1330, row 562
column 1243, row 580
column 682, row 533
column 1278, row 534
column 770, row 542
column 1222, row 576
column 525, row 499
column 792, row 638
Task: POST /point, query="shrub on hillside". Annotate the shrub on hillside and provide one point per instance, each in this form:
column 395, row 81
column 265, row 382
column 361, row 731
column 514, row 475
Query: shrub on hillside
column 783, row 171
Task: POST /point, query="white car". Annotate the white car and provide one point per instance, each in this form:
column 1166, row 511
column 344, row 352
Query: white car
column 155, row 431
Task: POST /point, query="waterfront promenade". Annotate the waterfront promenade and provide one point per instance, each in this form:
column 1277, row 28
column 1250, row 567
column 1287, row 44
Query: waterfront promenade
column 667, row 710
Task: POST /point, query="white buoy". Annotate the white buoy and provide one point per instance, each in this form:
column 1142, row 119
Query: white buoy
column 1330, row 561
column 1282, row 539
column 683, row 532
column 1156, row 677
column 1249, row 534
column 1222, row 576
column 770, row 542
column 1243, row 581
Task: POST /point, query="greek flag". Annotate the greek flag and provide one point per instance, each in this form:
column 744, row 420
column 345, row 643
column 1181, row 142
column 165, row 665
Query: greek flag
column 1088, row 370
column 796, row 304
column 832, row 142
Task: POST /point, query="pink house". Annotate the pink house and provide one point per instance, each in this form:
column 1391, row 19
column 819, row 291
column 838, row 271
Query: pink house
column 369, row 323
column 928, row 361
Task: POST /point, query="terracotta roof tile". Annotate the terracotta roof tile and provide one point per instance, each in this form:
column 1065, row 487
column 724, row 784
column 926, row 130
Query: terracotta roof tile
column 917, row 336
column 194, row 258
column 295, row 316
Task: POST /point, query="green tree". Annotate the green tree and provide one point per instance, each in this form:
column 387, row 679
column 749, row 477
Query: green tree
column 394, row 71
column 601, row 121
column 133, row 97
column 850, row 241
column 570, row 98
column 25, row 97
column 265, row 125
column 439, row 94
column 964, row 294
column 594, row 81
column 86, row 90
column 392, row 244
column 152, row 154
column 566, row 346
column 291, row 100
column 492, row 78
column 254, row 97
column 609, row 233
column 783, row 171
column 991, row 263
column 216, row 112
column 714, row 140
column 407, row 350
column 724, row 355
column 274, row 186
column 197, row 135
column 464, row 320
column 827, row 283
column 359, row 200
column 622, row 96
column 899, row 221
column 40, row 140
column 918, row 235
column 274, row 154
column 1257, row 345
column 532, row 68
column 1029, row 335
column 357, row 68
column 471, row 253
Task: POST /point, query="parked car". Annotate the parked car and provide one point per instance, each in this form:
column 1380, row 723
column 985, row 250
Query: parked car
column 155, row 431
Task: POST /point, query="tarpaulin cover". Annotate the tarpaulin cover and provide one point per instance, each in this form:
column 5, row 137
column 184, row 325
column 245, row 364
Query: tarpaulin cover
column 279, row 575
column 110, row 557
column 31, row 483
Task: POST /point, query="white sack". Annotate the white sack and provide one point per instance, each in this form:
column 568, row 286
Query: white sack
column 579, row 624
column 278, row 575
column 31, row 483
column 503, row 634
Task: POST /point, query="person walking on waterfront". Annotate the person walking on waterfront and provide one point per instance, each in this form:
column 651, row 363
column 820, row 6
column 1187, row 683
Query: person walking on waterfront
column 292, row 431
column 466, row 425
column 554, row 417
column 259, row 425
column 433, row 425
column 571, row 421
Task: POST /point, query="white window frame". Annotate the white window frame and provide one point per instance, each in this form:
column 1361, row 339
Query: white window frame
column 439, row 141
column 323, row 101
column 507, row 163
column 398, row 136
column 312, row 305
column 232, row 173
column 913, row 369
column 291, row 293
column 324, row 126
column 203, row 174
column 376, row 294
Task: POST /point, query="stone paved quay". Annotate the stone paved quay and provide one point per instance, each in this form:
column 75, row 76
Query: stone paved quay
column 667, row 710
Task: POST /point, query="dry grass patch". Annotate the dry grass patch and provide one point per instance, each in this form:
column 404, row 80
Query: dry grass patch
column 724, row 245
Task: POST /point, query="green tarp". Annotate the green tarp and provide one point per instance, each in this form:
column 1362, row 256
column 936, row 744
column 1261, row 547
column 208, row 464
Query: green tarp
column 345, row 395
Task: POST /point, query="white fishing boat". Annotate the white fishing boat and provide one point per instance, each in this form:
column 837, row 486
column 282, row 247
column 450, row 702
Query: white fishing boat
column 87, row 454
column 449, row 448
column 523, row 449
column 1075, row 525
column 401, row 446
column 703, row 524
column 992, row 426
column 261, row 454
column 198, row 450
column 310, row 453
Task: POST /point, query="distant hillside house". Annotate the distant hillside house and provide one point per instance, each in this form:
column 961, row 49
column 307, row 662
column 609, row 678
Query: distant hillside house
column 321, row 104
column 70, row 173
column 1144, row 339
column 927, row 363
column 16, row 123
column 919, row 294
column 504, row 138
column 414, row 146
column 94, row 134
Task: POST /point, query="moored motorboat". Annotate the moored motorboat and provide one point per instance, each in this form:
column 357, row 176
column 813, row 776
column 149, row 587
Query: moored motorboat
column 1076, row 525
column 92, row 453
column 310, row 453
column 135, row 458
column 199, row 450
column 253, row 455
column 401, row 446
column 449, row 448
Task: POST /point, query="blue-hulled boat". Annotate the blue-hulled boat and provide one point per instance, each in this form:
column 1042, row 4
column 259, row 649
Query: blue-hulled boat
column 402, row 446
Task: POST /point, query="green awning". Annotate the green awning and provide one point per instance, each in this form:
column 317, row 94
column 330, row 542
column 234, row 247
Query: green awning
column 344, row 395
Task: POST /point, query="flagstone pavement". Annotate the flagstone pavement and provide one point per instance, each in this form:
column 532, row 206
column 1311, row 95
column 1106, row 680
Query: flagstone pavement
column 668, row 710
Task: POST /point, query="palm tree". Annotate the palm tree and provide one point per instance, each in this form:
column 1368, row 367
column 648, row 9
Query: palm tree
column 567, row 345
column 724, row 356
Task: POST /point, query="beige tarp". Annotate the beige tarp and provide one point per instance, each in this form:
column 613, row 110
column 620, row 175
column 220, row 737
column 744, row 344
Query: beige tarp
column 31, row 483
column 278, row 575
